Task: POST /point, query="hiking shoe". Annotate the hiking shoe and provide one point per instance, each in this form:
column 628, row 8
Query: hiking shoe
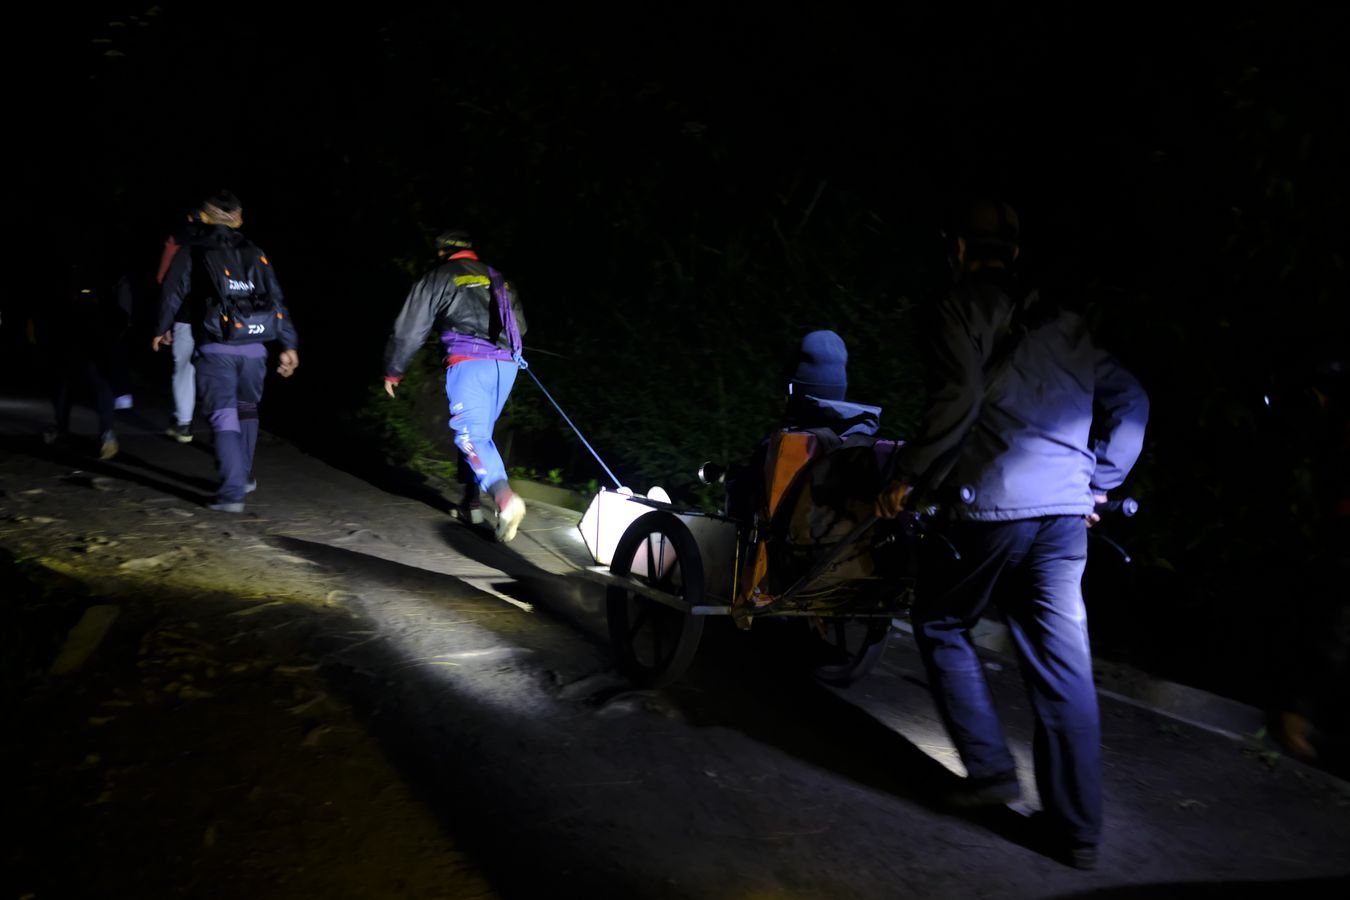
column 227, row 506
column 1295, row 733
column 471, row 513
column 1082, row 856
column 108, row 448
column 991, row 790
column 180, row 433
column 508, row 519
column 1052, row 840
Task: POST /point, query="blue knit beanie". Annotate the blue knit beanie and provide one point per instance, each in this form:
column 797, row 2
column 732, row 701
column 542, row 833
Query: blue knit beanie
column 821, row 369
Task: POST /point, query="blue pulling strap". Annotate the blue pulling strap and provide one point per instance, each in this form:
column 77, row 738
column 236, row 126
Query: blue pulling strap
column 520, row 361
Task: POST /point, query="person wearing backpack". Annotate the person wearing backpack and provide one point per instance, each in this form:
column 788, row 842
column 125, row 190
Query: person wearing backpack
column 236, row 309
column 817, row 470
column 1026, row 428
column 816, row 379
column 480, row 321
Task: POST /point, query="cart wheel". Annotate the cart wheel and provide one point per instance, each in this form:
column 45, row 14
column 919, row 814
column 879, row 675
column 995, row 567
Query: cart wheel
column 655, row 643
column 847, row 649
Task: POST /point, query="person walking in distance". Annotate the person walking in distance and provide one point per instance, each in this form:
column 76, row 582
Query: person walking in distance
column 236, row 309
column 184, row 381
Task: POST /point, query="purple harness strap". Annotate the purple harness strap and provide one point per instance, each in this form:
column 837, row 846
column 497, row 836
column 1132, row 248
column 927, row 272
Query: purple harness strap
column 504, row 309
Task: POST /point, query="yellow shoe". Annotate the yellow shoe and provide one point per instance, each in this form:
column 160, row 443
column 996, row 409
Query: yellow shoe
column 1295, row 732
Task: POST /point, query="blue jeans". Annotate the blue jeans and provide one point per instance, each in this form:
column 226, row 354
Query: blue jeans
column 231, row 388
column 477, row 390
column 1037, row 567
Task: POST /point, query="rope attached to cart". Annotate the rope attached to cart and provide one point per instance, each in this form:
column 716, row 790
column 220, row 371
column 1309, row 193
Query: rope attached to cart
column 612, row 477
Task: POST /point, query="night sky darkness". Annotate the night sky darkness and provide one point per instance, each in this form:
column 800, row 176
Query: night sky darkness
column 1129, row 143
column 1182, row 174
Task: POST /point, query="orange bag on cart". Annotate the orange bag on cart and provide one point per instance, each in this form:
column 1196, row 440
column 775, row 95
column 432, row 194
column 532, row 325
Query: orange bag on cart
column 817, row 488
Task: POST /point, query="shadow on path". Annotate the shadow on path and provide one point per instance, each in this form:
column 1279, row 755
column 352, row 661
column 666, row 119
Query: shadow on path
column 1212, row 890
column 125, row 467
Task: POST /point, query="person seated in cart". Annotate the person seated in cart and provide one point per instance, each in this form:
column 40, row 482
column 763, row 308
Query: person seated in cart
column 795, row 507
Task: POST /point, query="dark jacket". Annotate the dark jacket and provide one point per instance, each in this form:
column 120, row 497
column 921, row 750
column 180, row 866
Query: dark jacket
column 1060, row 421
column 456, row 300
column 187, row 287
column 172, row 244
column 91, row 320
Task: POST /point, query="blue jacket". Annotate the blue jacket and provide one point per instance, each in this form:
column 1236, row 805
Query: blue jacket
column 1058, row 421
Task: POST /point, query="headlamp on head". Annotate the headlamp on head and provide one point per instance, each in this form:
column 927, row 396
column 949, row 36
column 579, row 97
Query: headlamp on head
column 453, row 240
column 991, row 231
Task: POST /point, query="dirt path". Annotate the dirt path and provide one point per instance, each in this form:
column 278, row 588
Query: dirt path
column 341, row 694
column 196, row 750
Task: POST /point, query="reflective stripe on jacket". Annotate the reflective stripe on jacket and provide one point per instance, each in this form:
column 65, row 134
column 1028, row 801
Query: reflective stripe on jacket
column 453, row 299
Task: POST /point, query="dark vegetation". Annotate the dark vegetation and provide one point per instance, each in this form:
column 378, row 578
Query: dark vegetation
column 678, row 200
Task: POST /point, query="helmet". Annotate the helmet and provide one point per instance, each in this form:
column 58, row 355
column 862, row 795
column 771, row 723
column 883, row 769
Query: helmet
column 991, row 230
column 454, row 239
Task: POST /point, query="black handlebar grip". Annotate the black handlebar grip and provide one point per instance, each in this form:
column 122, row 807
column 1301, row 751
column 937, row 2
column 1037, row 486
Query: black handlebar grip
column 1126, row 506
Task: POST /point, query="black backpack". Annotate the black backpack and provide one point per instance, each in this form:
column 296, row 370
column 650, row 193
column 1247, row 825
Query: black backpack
column 239, row 309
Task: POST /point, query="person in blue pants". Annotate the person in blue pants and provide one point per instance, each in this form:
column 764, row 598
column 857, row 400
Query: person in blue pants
column 235, row 307
column 480, row 321
column 1027, row 427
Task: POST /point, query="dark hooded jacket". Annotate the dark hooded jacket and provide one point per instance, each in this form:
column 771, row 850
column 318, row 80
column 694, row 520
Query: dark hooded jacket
column 1054, row 420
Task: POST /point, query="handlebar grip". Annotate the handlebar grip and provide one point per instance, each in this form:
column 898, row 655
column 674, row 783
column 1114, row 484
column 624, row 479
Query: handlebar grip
column 1126, row 506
